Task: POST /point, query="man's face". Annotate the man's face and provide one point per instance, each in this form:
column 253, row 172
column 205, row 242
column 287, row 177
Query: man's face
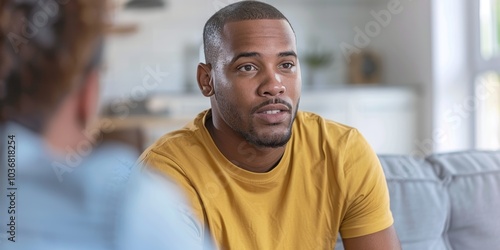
column 257, row 81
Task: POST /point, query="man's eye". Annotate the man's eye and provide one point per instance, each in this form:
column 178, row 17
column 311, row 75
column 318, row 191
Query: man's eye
column 247, row 68
column 287, row 65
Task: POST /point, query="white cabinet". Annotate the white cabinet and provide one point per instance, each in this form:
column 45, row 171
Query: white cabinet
column 386, row 116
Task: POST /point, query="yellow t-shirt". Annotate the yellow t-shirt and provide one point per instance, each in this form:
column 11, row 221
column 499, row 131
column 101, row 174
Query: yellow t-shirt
column 328, row 180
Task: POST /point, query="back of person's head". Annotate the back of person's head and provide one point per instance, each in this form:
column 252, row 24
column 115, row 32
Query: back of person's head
column 240, row 11
column 47, row 49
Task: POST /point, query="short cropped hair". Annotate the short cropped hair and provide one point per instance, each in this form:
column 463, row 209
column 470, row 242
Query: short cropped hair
column 47, row 48
column 239, row 11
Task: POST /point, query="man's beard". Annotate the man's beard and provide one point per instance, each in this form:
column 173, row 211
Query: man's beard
column 234, row 120
column 273, row 141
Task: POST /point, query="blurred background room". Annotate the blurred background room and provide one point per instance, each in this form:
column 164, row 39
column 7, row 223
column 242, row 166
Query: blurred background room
column 414, row 76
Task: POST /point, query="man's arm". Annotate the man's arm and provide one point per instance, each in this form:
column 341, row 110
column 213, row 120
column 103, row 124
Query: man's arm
column 383, row 240
column 368, row 222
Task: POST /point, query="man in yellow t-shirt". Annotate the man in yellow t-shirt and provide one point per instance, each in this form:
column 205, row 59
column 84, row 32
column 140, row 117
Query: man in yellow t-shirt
column 259, row 173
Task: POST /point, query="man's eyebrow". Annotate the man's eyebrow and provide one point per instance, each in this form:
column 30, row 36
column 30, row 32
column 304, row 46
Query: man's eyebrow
column 288, row 53
column 245, row 54
column 256, row 54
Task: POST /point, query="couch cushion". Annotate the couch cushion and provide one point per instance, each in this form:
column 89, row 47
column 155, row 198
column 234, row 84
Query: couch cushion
column 474, row 193
column 418, row 202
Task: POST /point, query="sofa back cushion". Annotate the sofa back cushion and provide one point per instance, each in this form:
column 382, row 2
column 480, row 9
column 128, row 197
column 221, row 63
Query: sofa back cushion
column 419, row 202
column 473, row 183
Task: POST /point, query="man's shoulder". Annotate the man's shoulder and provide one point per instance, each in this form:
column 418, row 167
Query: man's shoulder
column 311, row 123
column 316, row 134
column 180, row 141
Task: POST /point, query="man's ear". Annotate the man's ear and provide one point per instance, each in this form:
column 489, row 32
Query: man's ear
column 88, row 98
column 205, row 80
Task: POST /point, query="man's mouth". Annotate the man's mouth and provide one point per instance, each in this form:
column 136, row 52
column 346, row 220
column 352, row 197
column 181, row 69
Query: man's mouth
column 272, row 112
column 273, row 108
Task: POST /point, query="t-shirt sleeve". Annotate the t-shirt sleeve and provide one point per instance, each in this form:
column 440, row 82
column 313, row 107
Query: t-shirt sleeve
column 367, row 197
column 153, row 161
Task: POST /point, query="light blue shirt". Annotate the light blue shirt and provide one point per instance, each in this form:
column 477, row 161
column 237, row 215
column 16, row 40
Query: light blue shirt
column 84, row 199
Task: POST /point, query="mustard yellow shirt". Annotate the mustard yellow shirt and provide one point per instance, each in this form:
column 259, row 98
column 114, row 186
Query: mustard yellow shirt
column 329, row 180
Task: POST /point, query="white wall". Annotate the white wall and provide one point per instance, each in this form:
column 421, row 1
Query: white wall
column 163, row 40
column 406, row 49
column 426, row 46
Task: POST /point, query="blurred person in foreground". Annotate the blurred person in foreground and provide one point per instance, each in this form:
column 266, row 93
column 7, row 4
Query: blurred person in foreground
column 61, row 186
column 259, row 173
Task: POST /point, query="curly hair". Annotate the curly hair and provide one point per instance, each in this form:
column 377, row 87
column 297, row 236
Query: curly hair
column 47, row 48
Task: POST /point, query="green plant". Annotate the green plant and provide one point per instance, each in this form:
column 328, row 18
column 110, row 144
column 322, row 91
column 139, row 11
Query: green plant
column 318, row 59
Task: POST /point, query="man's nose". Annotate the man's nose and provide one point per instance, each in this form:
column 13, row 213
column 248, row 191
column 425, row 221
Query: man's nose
column 272, row 84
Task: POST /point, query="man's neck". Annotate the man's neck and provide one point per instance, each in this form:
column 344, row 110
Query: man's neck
column 243, row 154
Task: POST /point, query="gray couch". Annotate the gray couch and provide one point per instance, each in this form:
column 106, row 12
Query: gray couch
column 446, row 201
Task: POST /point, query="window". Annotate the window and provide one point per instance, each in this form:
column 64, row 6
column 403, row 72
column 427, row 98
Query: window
column 487, row 74
column 490, row 28
column 488, row 111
